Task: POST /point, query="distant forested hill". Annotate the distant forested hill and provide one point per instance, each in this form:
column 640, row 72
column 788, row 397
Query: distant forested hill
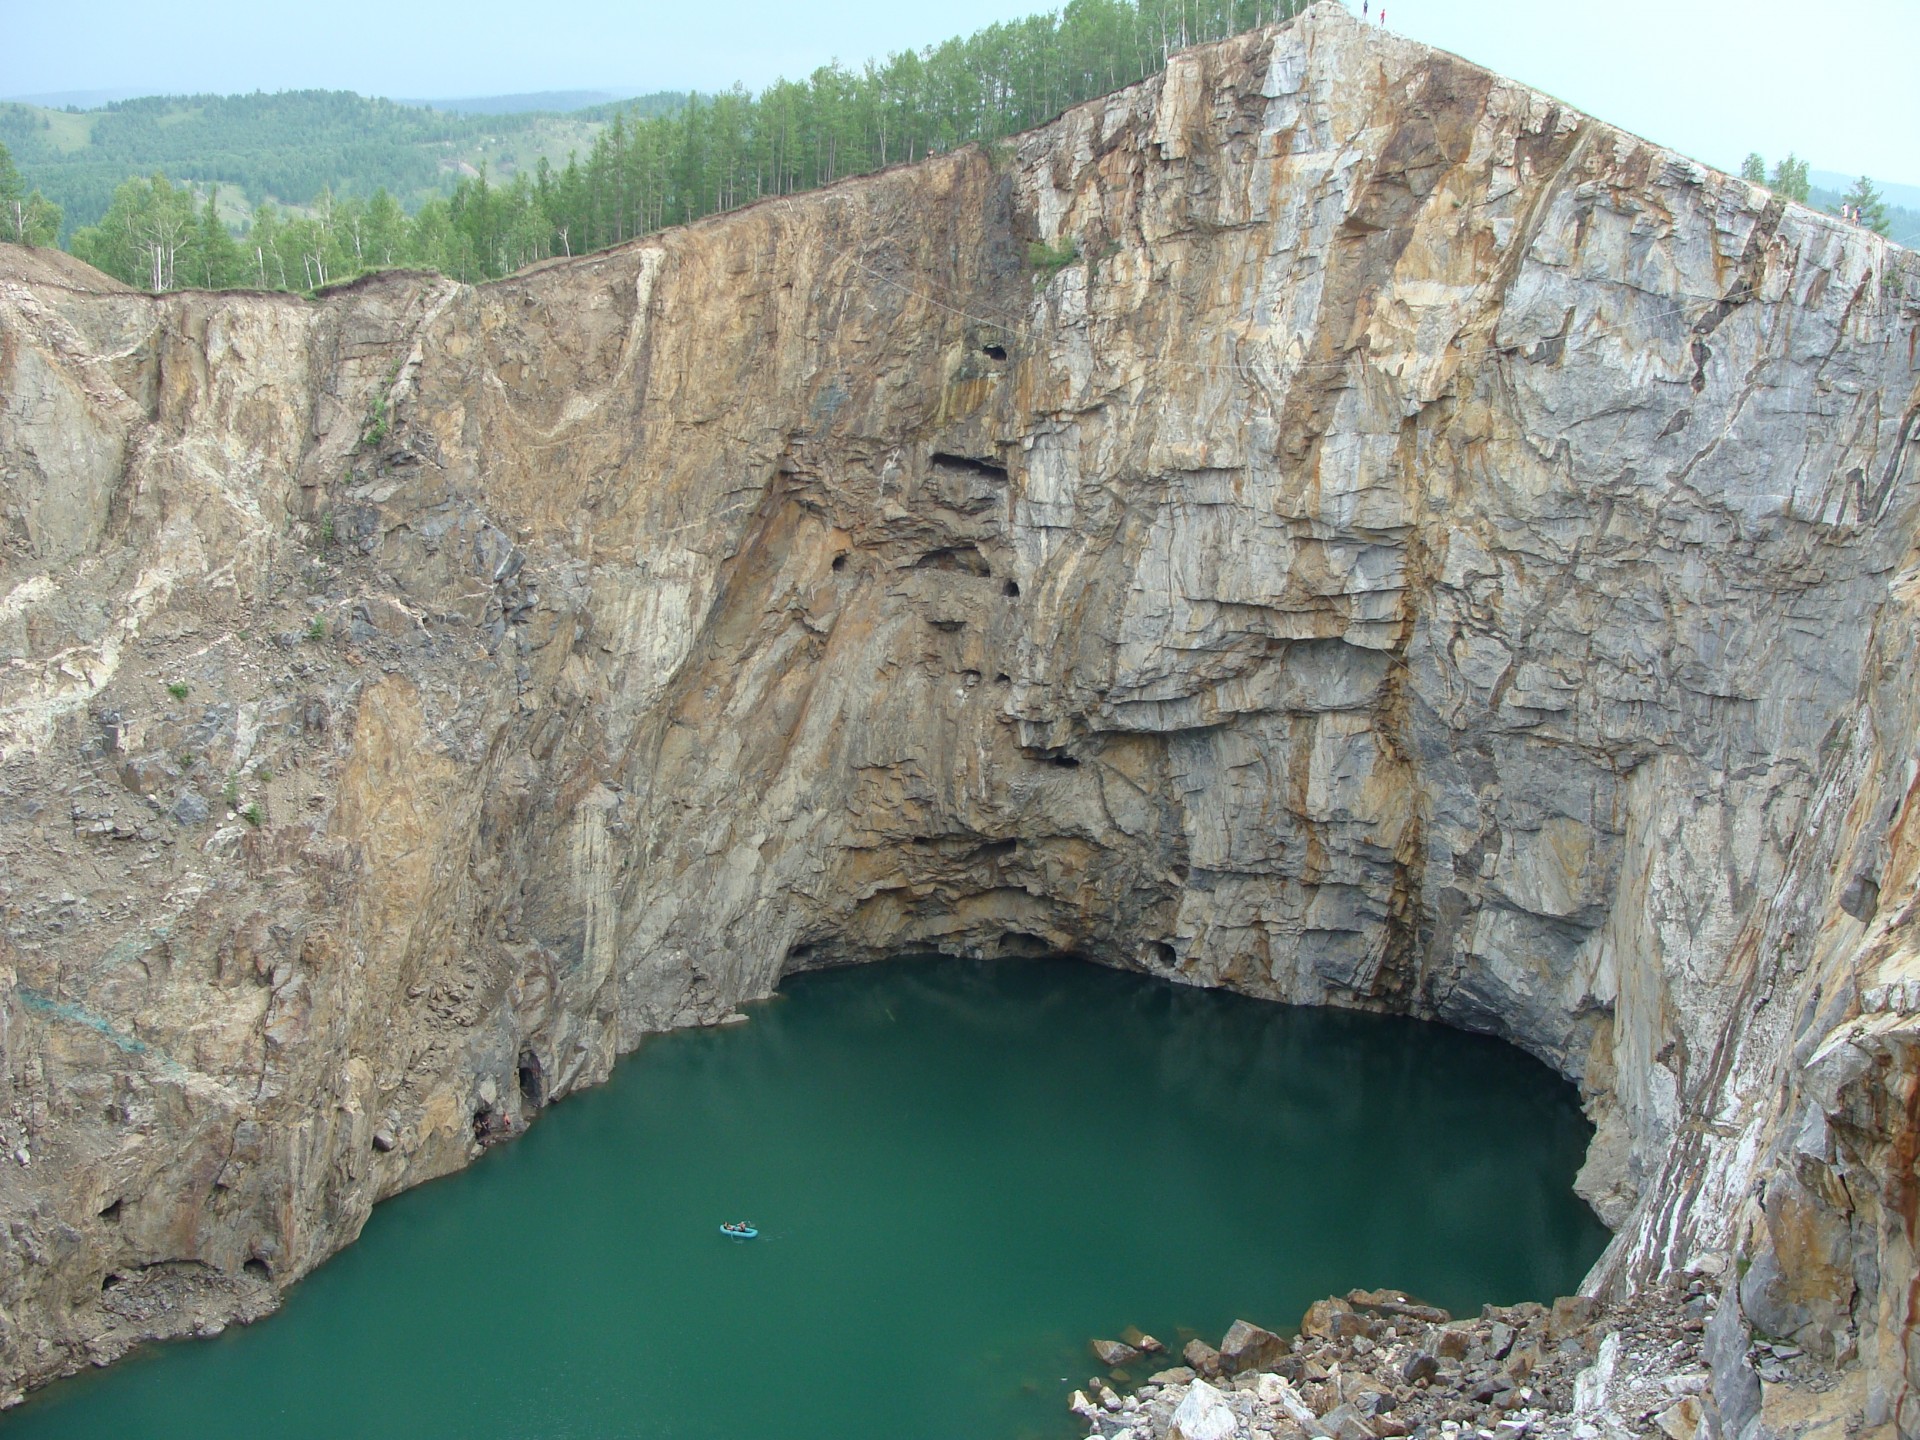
column 561, row 102
column 286, row 147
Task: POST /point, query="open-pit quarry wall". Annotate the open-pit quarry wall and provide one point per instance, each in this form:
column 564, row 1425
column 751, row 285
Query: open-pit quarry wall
column 1428, row 551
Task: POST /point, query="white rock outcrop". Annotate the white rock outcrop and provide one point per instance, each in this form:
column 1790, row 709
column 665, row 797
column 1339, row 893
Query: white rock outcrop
column 1203, row 1415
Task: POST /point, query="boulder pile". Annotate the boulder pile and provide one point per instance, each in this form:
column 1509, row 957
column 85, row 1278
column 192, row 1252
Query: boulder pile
column 1376, row 1364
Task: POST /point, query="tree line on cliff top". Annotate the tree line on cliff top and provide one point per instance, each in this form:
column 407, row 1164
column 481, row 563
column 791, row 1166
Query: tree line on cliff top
column 1790, row 178
column 645, row 172
column 656, row 167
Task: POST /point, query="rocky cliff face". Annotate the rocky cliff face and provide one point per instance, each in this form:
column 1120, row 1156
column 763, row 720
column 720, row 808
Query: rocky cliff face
column 1430, row 551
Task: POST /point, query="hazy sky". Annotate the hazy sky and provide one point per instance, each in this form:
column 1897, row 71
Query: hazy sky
column 1836, row 81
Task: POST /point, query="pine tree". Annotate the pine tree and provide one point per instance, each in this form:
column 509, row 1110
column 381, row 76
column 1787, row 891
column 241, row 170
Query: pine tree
column 1868, row 205
column 217, row 260
column 1790, row 179
column 1753, row 168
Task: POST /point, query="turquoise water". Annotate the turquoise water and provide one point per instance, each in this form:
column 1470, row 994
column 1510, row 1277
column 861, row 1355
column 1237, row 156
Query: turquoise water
column 961, row 1171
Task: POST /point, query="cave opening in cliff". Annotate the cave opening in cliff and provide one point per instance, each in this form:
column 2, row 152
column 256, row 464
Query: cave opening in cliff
column 977, row 464
column 532, row 1078
column 962, row 1170
column 956, row 559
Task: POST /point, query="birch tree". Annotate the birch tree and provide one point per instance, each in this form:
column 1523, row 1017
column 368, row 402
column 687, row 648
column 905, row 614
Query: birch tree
column 26, row 217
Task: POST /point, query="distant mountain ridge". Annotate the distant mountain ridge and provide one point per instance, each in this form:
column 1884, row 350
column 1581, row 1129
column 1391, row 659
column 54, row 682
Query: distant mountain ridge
column 289, row 146
column 554, row 102
column 65, row 99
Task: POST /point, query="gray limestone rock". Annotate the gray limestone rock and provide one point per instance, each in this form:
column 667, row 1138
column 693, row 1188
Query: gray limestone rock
column 1736, row 1389
column 1203, row 1414
column 1202, row 1358
column 1344, row 1422
column 1246, row 1346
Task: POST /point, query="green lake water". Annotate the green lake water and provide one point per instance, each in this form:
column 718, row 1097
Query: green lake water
column 961, row 1171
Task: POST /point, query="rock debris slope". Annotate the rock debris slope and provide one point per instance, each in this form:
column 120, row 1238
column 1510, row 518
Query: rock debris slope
column 1429, row 551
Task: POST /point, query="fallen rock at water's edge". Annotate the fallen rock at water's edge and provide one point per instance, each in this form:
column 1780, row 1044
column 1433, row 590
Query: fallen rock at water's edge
column 1246, row 1346
column 1203, row 1414
column 1204, row 1359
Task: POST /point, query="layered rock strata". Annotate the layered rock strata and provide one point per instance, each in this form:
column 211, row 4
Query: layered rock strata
column 1430, row 551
